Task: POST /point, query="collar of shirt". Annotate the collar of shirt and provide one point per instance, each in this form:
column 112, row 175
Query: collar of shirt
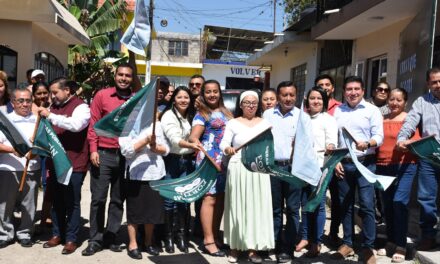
column 115, row 93
column 277, row 111
column 361, row 104
column 433, row 99
column 18, row 118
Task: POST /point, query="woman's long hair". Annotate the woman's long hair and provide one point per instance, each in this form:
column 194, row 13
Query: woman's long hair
column 206, row 111
column 4, row 78
column 190, row 112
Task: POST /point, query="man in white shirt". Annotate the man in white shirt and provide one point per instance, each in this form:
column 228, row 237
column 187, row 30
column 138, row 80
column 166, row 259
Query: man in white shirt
column 11, row 171
column 365, row 123
column 284, row 119
column 70, row 117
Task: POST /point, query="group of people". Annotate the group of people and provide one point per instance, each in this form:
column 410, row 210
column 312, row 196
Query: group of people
column 252, row 204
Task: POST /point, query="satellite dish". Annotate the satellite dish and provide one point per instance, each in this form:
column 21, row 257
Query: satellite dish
column 164, row 23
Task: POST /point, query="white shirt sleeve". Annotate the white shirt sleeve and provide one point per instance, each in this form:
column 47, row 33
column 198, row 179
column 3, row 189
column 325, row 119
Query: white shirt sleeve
column 77, row 122
column 160, row 139
column 227, row 136
column 127, row 146
column 171, row 128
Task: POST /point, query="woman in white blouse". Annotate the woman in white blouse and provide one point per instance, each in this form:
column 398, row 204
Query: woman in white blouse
column 143, row 153
column 248, row 221
column 325, row 133
column 176, row 124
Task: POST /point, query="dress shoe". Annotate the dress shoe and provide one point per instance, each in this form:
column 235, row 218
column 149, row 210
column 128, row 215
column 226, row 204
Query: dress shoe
column 218, row 253
column 91, row 249
column 254, row 258
column 69, row 248
column 343, row 252
column 134, row 253
column 181, row 242
column 52, row 242
column 152, row 250
column 426, row 244
column 26, row 242
column 4, row 243
column 369, row 257
column 283, row 258
column 117, row 247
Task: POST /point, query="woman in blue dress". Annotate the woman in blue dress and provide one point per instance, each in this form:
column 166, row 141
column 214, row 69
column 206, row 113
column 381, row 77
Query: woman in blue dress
column 208, row 128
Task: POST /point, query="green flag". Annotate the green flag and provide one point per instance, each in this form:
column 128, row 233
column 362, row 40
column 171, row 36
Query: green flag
column 18, row 140
column 47, row 144
column 258, row 156
column 327, row 173
column 133, row 115
column 189, row 188
column 427, row 149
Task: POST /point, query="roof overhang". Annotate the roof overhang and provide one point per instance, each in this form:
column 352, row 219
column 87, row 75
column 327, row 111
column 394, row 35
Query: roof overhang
column 360, row 18
column 50, row 15
column 273, row 51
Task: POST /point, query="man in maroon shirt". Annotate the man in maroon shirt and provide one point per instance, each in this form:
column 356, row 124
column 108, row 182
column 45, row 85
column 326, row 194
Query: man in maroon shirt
column 108, row 164
column 328, row 84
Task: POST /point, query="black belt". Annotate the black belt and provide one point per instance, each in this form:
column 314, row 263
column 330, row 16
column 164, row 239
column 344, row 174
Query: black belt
column 110, row 150
column 183, row 156
column 360, row 159
column 283, row 163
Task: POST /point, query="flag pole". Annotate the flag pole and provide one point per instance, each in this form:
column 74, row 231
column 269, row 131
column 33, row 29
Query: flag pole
column 244, row 144
column 156, row 92
column 28, row 156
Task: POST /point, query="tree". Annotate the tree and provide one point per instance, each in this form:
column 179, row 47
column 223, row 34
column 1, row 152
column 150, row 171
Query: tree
column 293, row 8
column 86, row 63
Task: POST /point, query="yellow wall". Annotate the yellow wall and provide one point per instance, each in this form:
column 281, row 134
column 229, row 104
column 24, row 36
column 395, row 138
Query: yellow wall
column 169, row 70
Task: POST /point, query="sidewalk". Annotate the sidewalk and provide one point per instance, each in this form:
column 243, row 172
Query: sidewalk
column 37, row 254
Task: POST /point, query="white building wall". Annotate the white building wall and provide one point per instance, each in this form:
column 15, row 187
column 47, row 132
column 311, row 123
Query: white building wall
column 385, row 41
column 220, row 72
column 295, row 57
column 44, row 42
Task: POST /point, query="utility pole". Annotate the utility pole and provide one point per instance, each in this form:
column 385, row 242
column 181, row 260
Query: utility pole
column 150, row 45
column 274, row 15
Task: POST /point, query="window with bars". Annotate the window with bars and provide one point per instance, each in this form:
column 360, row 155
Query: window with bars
column 178, row 48
column 298, row 76
column 51, row 66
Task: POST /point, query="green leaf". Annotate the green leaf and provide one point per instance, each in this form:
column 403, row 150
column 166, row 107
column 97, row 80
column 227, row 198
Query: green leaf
column 75, row 11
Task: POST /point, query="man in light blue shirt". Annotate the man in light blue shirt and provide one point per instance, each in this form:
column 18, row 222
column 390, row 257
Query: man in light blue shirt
column 364, row 122
column 284, row 119
column 425, row 111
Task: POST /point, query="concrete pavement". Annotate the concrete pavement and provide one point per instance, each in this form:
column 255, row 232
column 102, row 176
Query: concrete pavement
column 37, row 254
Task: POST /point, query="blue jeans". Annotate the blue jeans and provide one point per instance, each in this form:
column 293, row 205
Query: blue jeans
column 283, row 191
column 396, row 200
column 66, row 210
column 347, row 190
column 177, row 167
column 426, row 196
column 312, row 224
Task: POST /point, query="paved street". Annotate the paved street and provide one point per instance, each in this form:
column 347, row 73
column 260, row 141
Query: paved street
column 37, row 254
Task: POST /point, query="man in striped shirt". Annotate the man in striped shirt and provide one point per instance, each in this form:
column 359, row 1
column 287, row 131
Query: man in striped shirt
column 425, row 112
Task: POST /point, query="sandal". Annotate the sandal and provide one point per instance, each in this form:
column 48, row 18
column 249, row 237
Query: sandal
column 218, row 253
column 301, row 245
column 399, row 255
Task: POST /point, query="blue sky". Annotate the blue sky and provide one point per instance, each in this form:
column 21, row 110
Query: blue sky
column 188, row 16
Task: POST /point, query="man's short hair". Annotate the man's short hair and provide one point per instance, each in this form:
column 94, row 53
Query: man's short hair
column 21, row 89
column 431, row 71
column 324, row 76
column 353, row 78
column 197, row 76
column 124, row 65
column 29, row 72
column 61, row 81
column 285, row 84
